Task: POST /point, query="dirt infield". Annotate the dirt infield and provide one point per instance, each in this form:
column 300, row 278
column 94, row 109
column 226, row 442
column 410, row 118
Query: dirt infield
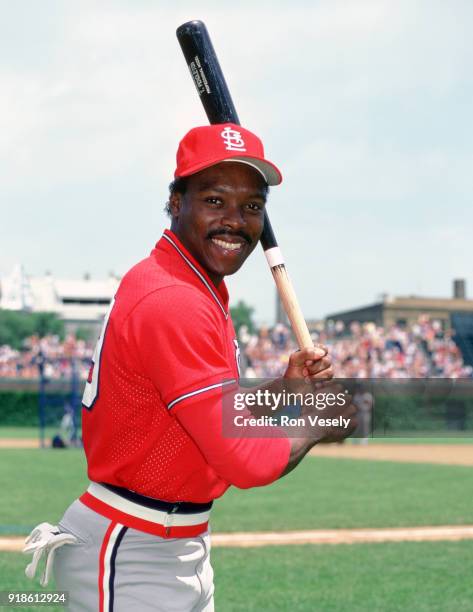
column 321, row 536
column 343, row 536
column 446, row 454
column 19, row 443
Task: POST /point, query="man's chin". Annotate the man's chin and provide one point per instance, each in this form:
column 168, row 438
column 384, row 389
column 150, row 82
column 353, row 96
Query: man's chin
column 225, row 268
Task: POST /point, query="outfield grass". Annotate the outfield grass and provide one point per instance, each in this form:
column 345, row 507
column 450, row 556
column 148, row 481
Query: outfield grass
column 12, row 578
column 38, row 485
column 25, row 432
column 322, row 493
column 13, row 432
column 325, row 493
column 394, row 577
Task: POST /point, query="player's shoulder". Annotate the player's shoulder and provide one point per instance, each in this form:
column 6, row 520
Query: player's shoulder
column 147, row 274
column 171, row 311
column 176, row 301
column 152, row 287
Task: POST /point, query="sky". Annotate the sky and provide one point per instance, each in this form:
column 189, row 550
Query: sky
column 365, row 105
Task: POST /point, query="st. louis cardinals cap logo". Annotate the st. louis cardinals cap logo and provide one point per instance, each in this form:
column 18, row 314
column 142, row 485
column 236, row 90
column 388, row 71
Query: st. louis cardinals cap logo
column 233, row 140
column 208, row 145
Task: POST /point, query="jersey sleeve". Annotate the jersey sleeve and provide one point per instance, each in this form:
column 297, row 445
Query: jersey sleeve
column 243, row 461
column 177, row 342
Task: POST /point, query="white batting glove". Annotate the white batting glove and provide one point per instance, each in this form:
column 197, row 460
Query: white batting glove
column 45, row 538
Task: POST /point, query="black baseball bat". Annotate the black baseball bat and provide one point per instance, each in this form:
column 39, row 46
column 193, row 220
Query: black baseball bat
column 215, row 96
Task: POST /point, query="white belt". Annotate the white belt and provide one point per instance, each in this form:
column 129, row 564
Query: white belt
column 148, row 514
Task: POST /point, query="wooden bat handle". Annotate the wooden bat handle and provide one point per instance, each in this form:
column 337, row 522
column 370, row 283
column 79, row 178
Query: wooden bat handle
column 291, row 306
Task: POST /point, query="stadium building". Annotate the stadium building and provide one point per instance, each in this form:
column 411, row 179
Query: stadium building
column 80, row 303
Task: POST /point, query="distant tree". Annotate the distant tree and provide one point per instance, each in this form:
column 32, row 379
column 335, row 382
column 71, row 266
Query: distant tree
column 47, row 323
column 16, row 326
column 242, row 314
column 84, row 333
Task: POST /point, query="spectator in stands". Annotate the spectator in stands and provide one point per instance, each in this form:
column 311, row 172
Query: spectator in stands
column 359, row 351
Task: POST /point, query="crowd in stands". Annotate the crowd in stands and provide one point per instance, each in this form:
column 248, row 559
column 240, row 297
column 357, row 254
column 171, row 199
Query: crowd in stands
column 359, row 351
column 49, row 353
column 363, row 350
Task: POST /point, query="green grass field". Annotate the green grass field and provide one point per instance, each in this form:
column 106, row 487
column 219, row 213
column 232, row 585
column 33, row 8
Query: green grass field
column 453, row 437
column 8, row 431
column 321, row 493
column 28, row 432
column 425, row 577
column 24, row 432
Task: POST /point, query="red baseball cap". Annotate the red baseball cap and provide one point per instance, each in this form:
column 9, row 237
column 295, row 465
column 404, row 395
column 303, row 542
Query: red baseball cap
column 208, row 145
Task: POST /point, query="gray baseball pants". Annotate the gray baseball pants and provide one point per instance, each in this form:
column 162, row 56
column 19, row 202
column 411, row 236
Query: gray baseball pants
column 114, row 568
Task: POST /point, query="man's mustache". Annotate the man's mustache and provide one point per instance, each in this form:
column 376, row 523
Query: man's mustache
column 240, row 234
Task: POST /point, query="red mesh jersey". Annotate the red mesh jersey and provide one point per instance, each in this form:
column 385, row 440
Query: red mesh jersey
column 168, row 342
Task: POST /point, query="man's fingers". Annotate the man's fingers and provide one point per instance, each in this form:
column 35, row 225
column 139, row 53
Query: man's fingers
column 307, row 356
column 326, row 374
column 318, row 366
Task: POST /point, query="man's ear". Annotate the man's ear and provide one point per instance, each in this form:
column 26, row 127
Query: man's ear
column 175, row 204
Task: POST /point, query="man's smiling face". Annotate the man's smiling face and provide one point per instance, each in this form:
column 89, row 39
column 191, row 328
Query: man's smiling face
column 219, row 218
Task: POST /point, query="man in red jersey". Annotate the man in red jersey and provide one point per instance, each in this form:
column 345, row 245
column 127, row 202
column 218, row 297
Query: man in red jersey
column 152, row 406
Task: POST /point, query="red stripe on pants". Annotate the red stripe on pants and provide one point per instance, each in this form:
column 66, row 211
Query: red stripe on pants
column 103, row 549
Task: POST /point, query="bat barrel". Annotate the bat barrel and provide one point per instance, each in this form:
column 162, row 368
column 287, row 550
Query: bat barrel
column 206, row 72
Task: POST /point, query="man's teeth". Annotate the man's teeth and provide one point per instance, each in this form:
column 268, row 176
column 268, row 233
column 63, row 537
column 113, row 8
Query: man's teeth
column 231, row 246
